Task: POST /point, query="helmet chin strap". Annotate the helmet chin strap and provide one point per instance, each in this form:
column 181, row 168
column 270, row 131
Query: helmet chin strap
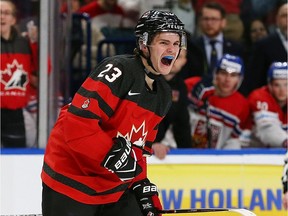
column 149, row 73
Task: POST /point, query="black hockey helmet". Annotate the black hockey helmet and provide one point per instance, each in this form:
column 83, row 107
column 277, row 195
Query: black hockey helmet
column 154, row 21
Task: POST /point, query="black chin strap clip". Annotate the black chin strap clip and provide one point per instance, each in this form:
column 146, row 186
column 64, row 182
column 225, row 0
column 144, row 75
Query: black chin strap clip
column 151, row 75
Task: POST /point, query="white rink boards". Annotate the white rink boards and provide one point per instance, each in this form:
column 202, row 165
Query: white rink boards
column 21, row 183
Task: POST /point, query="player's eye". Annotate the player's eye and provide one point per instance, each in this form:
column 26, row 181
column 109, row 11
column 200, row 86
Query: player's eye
column 164, row 42
column 177, row 44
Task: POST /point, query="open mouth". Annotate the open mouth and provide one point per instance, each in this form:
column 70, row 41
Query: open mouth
column 167, row 60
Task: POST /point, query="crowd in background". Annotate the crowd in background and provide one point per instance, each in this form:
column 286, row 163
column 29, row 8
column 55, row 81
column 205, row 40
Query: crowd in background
column 253, row 34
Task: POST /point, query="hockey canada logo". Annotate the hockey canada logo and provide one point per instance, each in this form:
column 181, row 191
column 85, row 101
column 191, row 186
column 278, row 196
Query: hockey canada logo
column 137, row 135
column 14, row 76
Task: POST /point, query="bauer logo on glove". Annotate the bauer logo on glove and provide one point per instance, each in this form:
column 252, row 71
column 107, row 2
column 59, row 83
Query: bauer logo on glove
column 122, row 160
column 147, row 197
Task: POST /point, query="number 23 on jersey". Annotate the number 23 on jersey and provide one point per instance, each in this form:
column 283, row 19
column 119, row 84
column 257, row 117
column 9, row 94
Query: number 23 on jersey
column 110, row 73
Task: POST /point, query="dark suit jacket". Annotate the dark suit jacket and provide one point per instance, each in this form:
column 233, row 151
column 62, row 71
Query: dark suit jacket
column 197, row 64
column 266, row 51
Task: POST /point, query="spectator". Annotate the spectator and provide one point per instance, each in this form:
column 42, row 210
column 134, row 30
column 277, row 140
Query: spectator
column 174, row 130
column 267, row 10
column 285, row 182
column 219, row 113
column 211, row 45
column 257, row 31
column 270, row 49
column 269, row 109
column 234, row 27
column 18, row 72
column 95, row 160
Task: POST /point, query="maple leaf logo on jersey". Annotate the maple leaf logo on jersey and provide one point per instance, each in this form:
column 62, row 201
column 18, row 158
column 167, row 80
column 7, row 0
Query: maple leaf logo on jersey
column 14, row 77
column 137, row 135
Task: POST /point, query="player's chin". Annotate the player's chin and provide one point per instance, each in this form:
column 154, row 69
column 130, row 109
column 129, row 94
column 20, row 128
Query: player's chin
column 165, row 69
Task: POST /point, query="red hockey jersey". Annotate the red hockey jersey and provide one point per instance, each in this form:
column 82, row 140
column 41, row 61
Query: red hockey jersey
column 228, row 118
column 270, row 120
column 16, row 68
column 113, row 101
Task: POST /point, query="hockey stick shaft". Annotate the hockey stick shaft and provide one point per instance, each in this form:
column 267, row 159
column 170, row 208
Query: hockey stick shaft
column 242, row 212
column 179, row 211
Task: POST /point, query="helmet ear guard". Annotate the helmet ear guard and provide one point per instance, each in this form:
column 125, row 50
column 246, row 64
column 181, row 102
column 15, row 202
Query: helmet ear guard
column 183, row 42
column 143, row 40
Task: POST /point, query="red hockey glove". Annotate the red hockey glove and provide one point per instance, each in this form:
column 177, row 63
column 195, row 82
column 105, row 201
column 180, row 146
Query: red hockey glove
column 147, row 197
column 122, row 160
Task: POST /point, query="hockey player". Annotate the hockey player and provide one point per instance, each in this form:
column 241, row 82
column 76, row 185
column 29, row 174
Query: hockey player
column 219, row 113
column 95, row 162
column 269, row 109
